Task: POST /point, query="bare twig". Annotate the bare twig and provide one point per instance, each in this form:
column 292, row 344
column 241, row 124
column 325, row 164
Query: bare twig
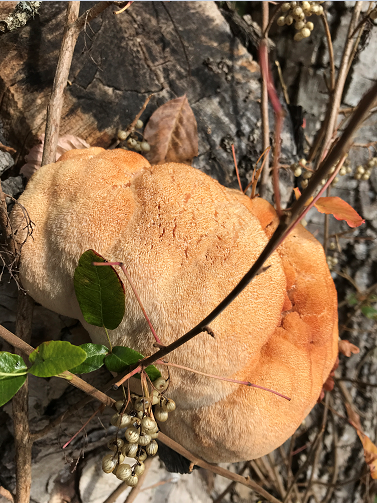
column 279, row 117
column 336, row 98
column 264, row 104
column 331, row 51
column 330, row 490
column 54, row 109
column 72, row 29
column 236, row 168
column 22, row 439
column 313, row 449
column 245, row 383
column 230, row 487
column 216, row 469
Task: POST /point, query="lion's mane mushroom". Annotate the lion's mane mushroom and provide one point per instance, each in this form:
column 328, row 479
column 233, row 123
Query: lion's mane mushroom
column 187, row 241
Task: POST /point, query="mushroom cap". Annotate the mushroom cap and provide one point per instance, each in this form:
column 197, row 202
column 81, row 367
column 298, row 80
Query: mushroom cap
column 186, row 242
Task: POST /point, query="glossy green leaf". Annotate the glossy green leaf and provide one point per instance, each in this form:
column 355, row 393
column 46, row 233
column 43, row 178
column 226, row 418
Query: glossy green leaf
column 95, row 354
column 54, row 357
column 12, row 375
column 121, row 358
column 369, row 312
column 99, row 291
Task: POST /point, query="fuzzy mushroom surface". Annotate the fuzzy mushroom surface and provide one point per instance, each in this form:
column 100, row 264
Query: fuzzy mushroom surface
column 186, row 242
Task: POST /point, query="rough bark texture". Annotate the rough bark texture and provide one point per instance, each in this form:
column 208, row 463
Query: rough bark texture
column 169, row 49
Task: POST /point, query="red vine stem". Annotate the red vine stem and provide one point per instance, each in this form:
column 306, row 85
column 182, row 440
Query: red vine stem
column 246, row 383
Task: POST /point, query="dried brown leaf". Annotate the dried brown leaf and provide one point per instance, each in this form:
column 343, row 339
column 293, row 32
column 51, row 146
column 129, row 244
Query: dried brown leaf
column 347, row 349
column 370, row 454
column 172, row 133
column 34, row 157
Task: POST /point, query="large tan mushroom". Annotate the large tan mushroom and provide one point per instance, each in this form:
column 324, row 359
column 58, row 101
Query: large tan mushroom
column 186, row 241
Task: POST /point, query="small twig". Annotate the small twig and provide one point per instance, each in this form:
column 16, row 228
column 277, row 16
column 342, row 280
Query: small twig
column 335, row 472
column 72, row 29
column 230, row 487
column 273, row 17
column 357, row 381
column 245, row 383
column 310, row 453
column 336, row 97
column 331, row 51
column 54, row 109
column 282, row 83
column 101, row 408
column 91, row 14
column 256, row 173
column 236, row 167
column 289, row 473
column 246, row 481
column 278, row 481
column 279, row 117
column 264, row 102
column 22, row 438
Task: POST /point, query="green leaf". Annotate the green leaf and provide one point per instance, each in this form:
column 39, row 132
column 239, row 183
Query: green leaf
column 99, row 291
column 352, row 300
column 369, row 312
column 54, row 357
column 12, row 375
column 121, row 358
column 95, row 354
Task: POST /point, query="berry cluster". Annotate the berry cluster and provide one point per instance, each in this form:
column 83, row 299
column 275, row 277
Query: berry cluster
column 364, row 172
column 299, row 168
column 297, row 12
column 138, row 417
column 132, row 141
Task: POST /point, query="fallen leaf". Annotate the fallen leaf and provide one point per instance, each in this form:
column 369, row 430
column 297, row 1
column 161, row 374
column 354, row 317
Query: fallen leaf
column 370, row 450
column 347, row 349
column 34, row 157
column 340, row 209
column 370, row 453
column 172, row 133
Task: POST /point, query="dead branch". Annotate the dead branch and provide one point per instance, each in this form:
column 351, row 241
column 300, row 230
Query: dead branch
column 22, row 439
column 72, row 29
